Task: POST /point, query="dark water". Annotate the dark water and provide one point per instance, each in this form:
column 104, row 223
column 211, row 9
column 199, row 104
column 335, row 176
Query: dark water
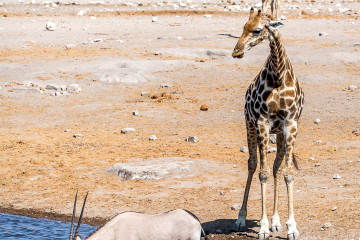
column 14, row 227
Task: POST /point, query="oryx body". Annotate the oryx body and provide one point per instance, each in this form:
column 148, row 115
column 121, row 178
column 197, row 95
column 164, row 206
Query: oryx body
column 176, row 224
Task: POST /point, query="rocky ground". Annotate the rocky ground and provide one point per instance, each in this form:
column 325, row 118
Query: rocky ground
column 74, row 74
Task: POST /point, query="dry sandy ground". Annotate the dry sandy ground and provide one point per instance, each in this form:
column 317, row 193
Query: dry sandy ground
column 42, row 166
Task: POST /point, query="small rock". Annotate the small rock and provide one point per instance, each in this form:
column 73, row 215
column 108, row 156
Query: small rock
column 67, row 130
column 155, row 96
column 353, row 88
column 244, row 149
column 166, row 95
column 50, row 26
column 235, row 207
column 70, row 46
column 218, row 231
column 157, row 53
column 342, row 10
column 311, row 158
column 73, row 88
column 152, row 138
column 144, row 93
column 272, row 138
column 98, row 40
column 154, row 19
column 81, row 12
column 135, row 113
column 271, row 150
column 78, row 135
column 336, row 176
column 326, row 225
column 207, row 16
column 165, row 85
column 356, row 132
column 192, row 139
column 235, row 166
column 283, row 17
column 57, row 93
column 222, row 193
column 128, row 130
column 323, row 34
column 318, row 142
column 334, row 208
column 204, row 107
column 317, row 121
column 317, row 164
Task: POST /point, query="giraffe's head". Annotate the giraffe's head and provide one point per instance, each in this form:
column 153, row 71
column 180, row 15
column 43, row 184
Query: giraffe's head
column 255, row 31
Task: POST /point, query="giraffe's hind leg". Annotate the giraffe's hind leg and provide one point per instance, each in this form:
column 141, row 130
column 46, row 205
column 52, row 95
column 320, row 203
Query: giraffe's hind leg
column 275, row 220
column 240, row 224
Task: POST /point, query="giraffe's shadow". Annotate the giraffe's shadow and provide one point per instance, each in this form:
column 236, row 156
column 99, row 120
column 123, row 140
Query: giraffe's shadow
column 226, row 226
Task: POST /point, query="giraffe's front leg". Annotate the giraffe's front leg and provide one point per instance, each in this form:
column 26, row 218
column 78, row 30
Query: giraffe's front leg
column 290, row 136
column 240, row 224
column 277, row 172
column 263, row 139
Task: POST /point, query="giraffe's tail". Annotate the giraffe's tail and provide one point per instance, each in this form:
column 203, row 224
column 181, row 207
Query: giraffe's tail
column 295, row 161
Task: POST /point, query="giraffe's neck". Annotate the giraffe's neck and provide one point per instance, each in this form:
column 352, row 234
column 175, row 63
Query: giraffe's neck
column 277, row 63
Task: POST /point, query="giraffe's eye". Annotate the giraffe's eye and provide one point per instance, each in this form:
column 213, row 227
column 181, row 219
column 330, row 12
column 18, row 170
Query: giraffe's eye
column 257, row 31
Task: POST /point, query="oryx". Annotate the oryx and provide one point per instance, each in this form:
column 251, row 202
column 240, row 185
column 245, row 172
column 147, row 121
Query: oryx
column 175, row 224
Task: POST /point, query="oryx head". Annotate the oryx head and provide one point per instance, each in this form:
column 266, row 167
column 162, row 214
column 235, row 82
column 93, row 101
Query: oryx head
column 75, row 236
column 256, row 30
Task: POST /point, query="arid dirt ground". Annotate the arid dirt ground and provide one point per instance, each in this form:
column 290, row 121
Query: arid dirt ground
column 42, row 166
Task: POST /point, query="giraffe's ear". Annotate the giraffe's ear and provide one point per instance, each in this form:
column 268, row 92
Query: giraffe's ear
column 275, row 24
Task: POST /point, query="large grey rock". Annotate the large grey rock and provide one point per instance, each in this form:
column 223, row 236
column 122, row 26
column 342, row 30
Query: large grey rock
column 158, row 168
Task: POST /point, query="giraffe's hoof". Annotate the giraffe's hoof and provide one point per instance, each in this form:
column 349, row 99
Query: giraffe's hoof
column 293, row 236
column 276, row 228
column 263, row 236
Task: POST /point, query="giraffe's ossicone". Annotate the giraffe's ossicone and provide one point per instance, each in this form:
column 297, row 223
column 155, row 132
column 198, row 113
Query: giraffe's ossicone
column 273, row 105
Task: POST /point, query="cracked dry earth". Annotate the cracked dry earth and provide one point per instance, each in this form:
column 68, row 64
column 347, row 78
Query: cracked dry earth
column 42, row 166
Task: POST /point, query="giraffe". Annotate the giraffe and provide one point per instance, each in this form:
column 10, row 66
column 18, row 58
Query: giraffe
column 275, row 7
column 274, row 102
